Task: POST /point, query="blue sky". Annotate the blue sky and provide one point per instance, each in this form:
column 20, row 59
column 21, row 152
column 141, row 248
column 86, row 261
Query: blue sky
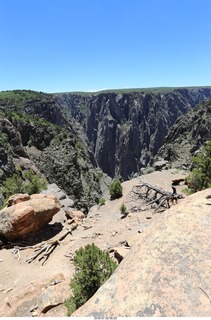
column 89, row 45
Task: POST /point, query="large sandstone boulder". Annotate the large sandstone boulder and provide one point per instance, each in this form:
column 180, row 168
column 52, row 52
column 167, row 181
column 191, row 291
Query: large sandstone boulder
column 26, row 214
column 167, row 272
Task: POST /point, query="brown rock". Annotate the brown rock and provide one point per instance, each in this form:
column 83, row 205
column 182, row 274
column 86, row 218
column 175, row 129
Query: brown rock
column 29, row 216
column 78, row 214
column 119, row 253
column 17, row 198
column 167, row 272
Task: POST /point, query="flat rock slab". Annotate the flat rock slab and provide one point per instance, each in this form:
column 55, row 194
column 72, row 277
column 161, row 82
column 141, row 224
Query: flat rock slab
column 43, row 298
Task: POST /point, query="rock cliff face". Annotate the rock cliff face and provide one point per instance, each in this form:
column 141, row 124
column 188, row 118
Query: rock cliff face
column 126, row 130
column 187, row 135
column 72, row 138
column 35, row 133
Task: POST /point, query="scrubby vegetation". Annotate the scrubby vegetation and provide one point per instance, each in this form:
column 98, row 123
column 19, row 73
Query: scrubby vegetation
column 28, row 182
column 101, row 201
column 123, row 208
column 93, row 268
column 20, row 97
column 200, row 177
column 115, row 189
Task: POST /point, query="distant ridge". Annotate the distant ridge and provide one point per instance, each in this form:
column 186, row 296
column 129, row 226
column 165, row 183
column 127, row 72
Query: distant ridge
column 130, row 90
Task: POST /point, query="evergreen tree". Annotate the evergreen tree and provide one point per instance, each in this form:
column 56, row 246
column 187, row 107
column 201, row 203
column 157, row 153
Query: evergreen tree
column 115, row 189
column 93, row 267
column 200, row 177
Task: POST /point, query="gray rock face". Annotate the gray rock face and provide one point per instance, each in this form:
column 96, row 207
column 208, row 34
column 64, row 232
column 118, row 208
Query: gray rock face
column 66, row 202
column 126, row 130
column 10, row 146
column 187, row 136
column 68, row 137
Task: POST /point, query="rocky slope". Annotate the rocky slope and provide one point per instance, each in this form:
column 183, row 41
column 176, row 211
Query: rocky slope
column 35, row 133
column 167, row 271
column 187, row 135
column 125, row 130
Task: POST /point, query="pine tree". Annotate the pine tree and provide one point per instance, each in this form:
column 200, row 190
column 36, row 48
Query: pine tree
column 93, row 267
column 200, row 177
column 115, row 189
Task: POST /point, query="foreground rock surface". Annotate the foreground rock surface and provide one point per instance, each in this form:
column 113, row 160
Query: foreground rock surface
column 26, row 214
column 43, row 298
column 167, row 272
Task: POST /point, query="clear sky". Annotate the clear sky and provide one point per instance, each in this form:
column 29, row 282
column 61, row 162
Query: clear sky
column 89, row 45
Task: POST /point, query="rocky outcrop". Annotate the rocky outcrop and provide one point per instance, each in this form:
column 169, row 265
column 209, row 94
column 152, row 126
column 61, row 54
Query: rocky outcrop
column 26, row 214
column 43, row 298
column 187, row 136
column 125, row 130
column 167, row 271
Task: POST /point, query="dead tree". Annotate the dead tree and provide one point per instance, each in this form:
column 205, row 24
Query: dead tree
column 155, row 196
column 41, row 251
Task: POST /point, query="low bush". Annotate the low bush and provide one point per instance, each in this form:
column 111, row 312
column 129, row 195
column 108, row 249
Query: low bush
column 200, row 177
column 115, row 189
column 92, row 268
column 123, row 208
column 101, row 201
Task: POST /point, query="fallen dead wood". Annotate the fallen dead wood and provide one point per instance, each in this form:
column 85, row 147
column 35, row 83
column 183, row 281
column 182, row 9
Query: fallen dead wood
column 87, row 227
column 43, row 251
column 154, row 196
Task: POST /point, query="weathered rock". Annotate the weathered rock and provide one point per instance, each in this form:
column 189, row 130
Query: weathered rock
column 43, row 298
column 17, row 198
column 159, row 165
column 167, row 272
column 66, row 202
column 25, row 217
column 78, row 214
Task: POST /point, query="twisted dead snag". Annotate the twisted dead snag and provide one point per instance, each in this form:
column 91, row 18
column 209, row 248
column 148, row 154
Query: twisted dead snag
column 155, row 196
column 43, row 251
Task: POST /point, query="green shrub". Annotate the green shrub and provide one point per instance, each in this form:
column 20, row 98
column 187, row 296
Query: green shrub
column 30, row 183
column 93, row 267
column 33, row 184
column 11, row 186
column 115, row 189
column 101, row 201
column 200, row 177
column 123, row 208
